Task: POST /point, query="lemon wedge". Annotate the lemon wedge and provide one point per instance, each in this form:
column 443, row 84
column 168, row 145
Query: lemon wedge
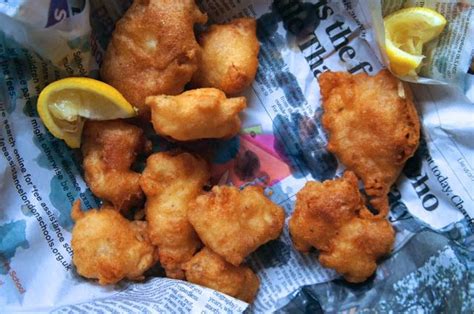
column 401, row 62
column 65, row 104
column 406, row 31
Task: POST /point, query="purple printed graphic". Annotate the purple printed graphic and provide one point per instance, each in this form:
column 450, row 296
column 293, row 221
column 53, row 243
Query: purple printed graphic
column 62, row 9
column 58, row 11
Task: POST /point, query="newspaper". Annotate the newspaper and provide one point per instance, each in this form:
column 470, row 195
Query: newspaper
column 281, row 146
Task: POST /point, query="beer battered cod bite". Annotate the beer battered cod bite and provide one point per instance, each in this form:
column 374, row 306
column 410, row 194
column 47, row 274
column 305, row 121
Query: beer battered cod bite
column 108, row 247
column 235, row 223
column 331, row 217
column 153, row 50
column 196, row 114
column 208, row 269
column 229, row 56
column 373, row 128
column 170, row 181
column 109, row 149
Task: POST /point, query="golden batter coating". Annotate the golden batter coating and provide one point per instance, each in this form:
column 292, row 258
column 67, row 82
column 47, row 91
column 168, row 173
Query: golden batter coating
column 196, row 114
column 235, row 223
column 109, row 149
column 170, row 182
column 208, row 269
column 108, row 247
column 331, row 217
column 229, row 56
column 373, row 127
column 153, row 50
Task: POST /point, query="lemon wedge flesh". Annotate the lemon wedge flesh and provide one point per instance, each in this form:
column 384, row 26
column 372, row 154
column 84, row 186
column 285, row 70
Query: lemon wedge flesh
column 401, row 62
column 406, row 31
column 65, row 104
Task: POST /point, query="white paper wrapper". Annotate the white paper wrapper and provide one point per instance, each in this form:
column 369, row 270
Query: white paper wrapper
column 281, row 146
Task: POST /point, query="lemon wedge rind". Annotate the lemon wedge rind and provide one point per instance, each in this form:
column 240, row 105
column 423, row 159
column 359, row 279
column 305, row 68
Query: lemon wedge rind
column 423, row 23
column 65, row 104
column 406, row 31
column 402, row 63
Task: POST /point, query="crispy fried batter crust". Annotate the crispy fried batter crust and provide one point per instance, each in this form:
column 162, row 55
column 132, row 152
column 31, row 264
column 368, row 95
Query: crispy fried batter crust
column 229, row 56
column 208, row 269
column 109, row 149
column 196, row 114
column 170, row 182
column 235, row 223
column 373, row 127
column 108, row 247
column 153, row 50
column 332, row 218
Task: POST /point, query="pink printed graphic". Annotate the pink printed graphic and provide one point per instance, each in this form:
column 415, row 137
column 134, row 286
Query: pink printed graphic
column 256, row 162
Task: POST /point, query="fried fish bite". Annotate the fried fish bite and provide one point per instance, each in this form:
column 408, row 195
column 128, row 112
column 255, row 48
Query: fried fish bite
column 373, row 128
column 235, row 223
column 109, row 149
column 170, row 182
column 153, row 50
column 108, row 247
column 331, row 217
column 208, row 269
column 196, row 114
column 229, row 56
